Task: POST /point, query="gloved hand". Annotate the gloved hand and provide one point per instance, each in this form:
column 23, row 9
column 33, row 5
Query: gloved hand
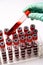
column 36, row 11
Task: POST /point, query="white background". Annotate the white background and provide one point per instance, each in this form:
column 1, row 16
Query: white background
column 11, row 11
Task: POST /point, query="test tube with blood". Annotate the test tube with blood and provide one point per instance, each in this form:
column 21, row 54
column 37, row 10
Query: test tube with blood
column 16, row 48
column 26, row 29
column 35, row 46
column 21, row 34
column 19, row 30
column 9, row 48
column 15, row 36
column 22, row 46
column 3, row 52
column 35, row 31
column 29, row 46
column 21, row 20
column 6, row 31
column 32, row 27
column 2, row 47
column 28, row 33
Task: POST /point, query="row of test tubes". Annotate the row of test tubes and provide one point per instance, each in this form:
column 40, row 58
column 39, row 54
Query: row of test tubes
column 23, row 44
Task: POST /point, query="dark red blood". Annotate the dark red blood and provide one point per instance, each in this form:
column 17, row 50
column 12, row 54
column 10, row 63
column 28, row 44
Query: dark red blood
column 29, row 39
column 22, row 39
column 16, row 42
column 32, row 27
column 28, row 33
column 26, row 29
column 35, row 31
column 8, row 42
column 34, row 37
column 14, row 28
column 14, row 32
column 6, row 30
column 21, row 34
column 19, row 29
column 15, row 36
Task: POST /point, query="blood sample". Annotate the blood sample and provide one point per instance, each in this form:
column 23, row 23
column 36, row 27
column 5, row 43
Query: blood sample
column 29, row 46
column 1, row 33
column 21, row 34
column 32, row 27
column 2, row 47
column 6, row 31
column 22, row 46
column 35, row 46
column 28, row 33
column 3, row 52
column 35, row 31
column 19, row 29
column 16, row 48
column 14, row 32
column 26, row 29
column 21, row 20
column 15, row 36
column 9, row 48
column 35, row 37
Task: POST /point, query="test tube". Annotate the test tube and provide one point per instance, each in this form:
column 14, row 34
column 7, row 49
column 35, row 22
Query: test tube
column 21, row 20
column 28, row 33
column 6, row 31
column 19, row 30
column 35, row 46
column 3, row 52
column 32, row 27
column 9, row 48
column 26, row 29
column 35, row 31
column 16, row 48
column 29, row 45
column 22, row 46
column 21, row 34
